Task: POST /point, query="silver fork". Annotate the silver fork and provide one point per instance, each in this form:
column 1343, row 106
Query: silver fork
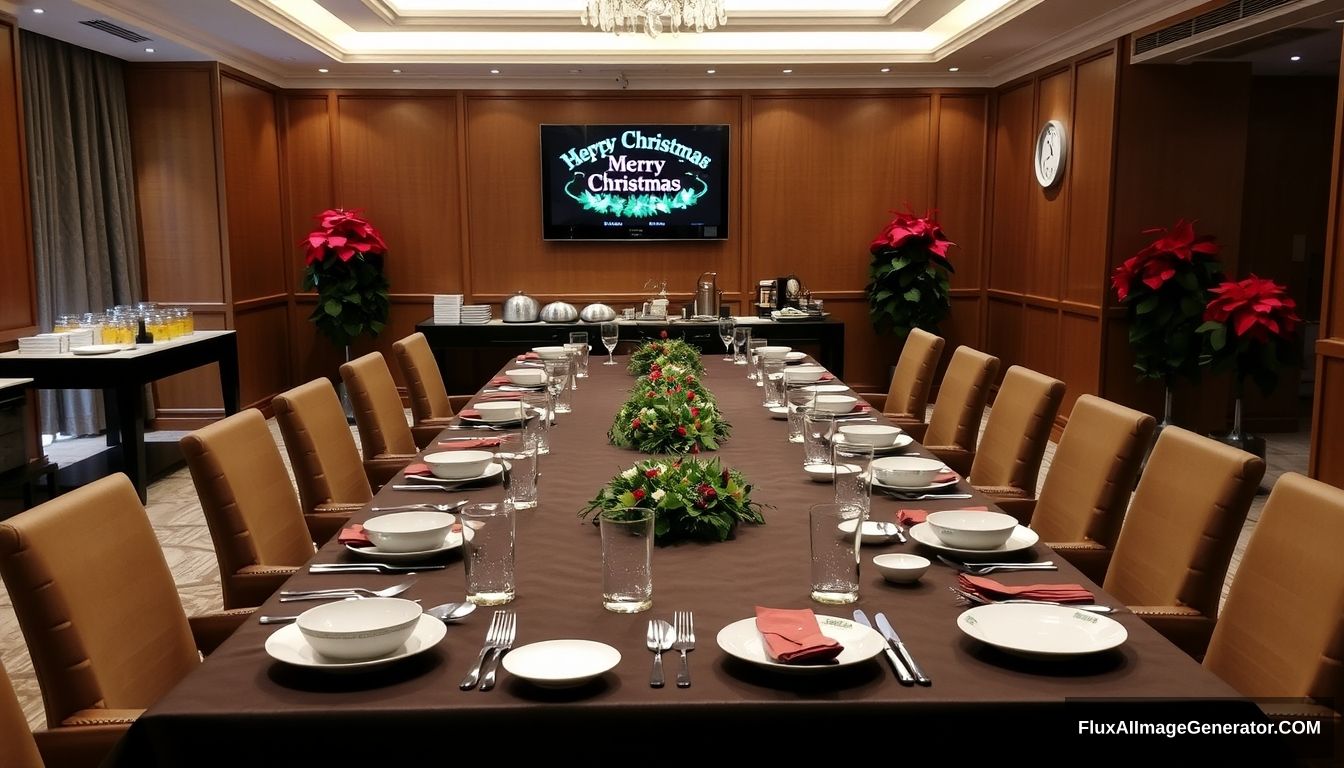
column 492, row 638
column 331, row 594
column 509, row 633
column 685, row 623
column 984, row 569
column 436, row 507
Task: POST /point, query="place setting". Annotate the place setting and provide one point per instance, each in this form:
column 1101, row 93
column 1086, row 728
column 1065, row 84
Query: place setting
column 402, row 537
column 972, row 535
column 451, row 470
column 799, row 642
column 915, row 478
column 356, row 635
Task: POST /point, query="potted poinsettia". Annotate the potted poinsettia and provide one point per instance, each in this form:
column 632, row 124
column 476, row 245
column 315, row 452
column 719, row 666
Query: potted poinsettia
column 1165, row 288
column 344, row 257
column 908, row 275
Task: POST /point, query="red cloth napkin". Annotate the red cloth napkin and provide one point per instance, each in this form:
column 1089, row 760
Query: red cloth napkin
column 861, row 408
column 417, row 469
column 529, row 356
column 354, row 536
column 498, row 381
column 463, row 445
column 793, row 636
column 908, row 517
column 994, row 590
column 828, row 377
column 470, row 413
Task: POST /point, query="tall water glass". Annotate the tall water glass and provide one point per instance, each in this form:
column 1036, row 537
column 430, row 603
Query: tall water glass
column 518, row 455
column 627, row 548
column 579, row 340
column 800, row 400
column 740, row 338
column 818, row 426
column 852, row 464
column 772, row 371
column 611, row 333
column 726, row 327
column 754, row 360
column 557, row 382
column 835, row 553
column 489, row 531
column 573, row 357
column 538, row 424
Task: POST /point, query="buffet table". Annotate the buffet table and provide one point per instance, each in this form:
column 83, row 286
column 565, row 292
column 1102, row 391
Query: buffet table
column 239, row 699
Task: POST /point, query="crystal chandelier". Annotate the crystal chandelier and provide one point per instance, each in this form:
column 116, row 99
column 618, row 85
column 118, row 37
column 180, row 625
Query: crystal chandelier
column 626, row 15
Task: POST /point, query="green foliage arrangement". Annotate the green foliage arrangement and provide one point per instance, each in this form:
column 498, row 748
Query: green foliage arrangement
column 691, row 498
column 908, row 275
column 665, row 352
column 669, row 411
column 344, row 257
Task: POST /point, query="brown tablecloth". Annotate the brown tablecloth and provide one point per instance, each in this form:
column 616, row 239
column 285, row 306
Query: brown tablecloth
column 239, row 698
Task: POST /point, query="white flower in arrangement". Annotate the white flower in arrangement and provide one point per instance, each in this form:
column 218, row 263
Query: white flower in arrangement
column 659, row 494
column 630, row 473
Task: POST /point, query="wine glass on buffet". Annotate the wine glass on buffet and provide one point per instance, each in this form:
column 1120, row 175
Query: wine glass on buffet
column 726, row 326
column 741, row 338
column 611, row 333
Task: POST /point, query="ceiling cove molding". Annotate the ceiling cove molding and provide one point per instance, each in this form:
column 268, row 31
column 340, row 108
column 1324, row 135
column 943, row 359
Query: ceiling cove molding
column 389, row 13
column 724, row 86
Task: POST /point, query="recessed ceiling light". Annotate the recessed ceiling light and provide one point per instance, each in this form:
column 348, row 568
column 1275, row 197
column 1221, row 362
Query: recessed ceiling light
column 954, row 69
column 323, row 70
column 788, row 71
column 149, row 50
column 38, row 10
column 396, row 71
column 710, row 71
column 1294, row 58
column 885, row 69
column 494, row 71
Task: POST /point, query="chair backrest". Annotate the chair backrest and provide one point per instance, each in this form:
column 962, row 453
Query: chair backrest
column 1282, row 629
column 248, row 501
column 961, row 399
column 913, row 378
column 95, row 600
column 19, row 750
column 1092, row 474
column 378, row 412
column 1183, row 523
column 1018, row 431
column 424, row 383
column 322, row 451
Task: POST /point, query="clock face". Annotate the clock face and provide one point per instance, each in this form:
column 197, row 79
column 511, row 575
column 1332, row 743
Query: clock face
column 1050, row 149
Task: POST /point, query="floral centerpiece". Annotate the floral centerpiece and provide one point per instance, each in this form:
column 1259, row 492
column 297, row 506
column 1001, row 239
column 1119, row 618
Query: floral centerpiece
column 691, row 498
column 344, row 257
column 908, row 275
column 665, row 352
column 669, row 411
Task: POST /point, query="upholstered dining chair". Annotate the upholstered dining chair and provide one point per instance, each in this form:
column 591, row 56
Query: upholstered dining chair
column 431, row 408
column 908, row 395
column 100, row 613
column 1091, row 477
column 255, row 522
column 1281, row 634
column 1008, row 459
column 1177, row 539
column 954, row 425
column 19, row 750
column 383, row 432
column 323, row 455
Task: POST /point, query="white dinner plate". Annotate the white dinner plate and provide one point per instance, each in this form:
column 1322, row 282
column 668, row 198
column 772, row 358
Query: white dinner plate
column 874, row 532
column 1020, row 539
column 450, row 542
column 99, row 349
column 1050, row 631
column 826, row 389
column 505, row 423
column 915, row 489
column 561, row 663
column 742, row 640
column 288, row 644
column 902, row 440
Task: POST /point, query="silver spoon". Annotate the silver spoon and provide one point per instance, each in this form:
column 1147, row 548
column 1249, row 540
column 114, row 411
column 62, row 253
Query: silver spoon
column 439, row 507
column 451, row 611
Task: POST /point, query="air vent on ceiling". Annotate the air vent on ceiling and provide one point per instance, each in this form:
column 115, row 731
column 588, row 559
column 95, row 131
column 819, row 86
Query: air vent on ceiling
column 1205, row 22
column 103, row 25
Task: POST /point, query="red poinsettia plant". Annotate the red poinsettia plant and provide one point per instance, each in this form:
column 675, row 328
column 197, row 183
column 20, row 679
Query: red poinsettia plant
column 1165, row 287
column 908, row 274
column 1250, row 327
column 344, row 258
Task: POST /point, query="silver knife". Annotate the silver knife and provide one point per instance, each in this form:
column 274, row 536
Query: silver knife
column 894, row 640
column 902, row 673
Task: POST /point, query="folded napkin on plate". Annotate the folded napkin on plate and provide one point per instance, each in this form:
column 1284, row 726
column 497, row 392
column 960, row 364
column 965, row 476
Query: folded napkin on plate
column 529, row 356
column 491, row 396
column 827, row 377
column 793, row 636
column 908, row 517
column 861, row 408
column 470, row 413
column 463, row 445
column 418, row 469
column 354, row 536
column 994, row 590
column 498, row 381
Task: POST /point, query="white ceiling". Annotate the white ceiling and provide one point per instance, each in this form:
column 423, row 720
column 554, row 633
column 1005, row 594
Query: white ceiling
column 541, row 44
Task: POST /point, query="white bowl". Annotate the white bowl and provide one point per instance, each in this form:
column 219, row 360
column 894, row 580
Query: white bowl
column 551, row 353
column 353, row 630
column 409, row 531
column 876, row 435
column 500, row 410
column 972, row 529
column 906, row 471
column 803, row 374
column 794, row 357
column 526, row 377
column 835, row 403
column 900, row 568
column 773, row 353
column 458, row 465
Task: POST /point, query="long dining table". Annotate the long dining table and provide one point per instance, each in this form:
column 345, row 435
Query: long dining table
column 240, row 705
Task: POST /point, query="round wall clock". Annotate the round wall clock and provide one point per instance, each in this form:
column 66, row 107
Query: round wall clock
column 1051, row 147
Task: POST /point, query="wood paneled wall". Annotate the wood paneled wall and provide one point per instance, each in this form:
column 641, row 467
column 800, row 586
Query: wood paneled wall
column 1327, row 448
column 18, row 296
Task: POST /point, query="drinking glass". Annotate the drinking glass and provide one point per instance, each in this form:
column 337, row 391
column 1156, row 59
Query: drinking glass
column 772, row 371
column 835, row 553
column 818, row 426
column 518, row 455
column 852, row 468
column 557, row 381
column 538, row 424
column 800, row 400
column 726, row 327
column 579, row 340
column 627, row 547
column 65, row 323
column 740, row 338
column 572, row 355
column 489, row 531
column 754, row 360
column 611, row 332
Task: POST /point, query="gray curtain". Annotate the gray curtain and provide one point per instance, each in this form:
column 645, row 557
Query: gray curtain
column 83, row 203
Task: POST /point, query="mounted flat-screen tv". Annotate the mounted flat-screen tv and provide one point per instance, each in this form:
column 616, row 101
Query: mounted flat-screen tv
column 634, row 182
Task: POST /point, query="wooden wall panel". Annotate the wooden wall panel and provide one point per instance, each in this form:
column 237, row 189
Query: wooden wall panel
column 308, row 172
column 263, row 341
column 1014, row 134
column 1040, row 339
column 1327, row 420
column 257, row 256
column 1327, row 431
column 1004, row 332
column 960, row 180
column 1049, row 207
column 1090, row 152
column 190, row 399
column 1079, row 338
column 18, row 303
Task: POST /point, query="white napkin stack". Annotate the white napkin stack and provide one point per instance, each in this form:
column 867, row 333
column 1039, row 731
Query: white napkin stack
column 54, row 343
column 448, row 308
column 475, row 314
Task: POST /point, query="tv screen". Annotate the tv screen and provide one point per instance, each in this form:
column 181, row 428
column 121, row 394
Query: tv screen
column 628, row 182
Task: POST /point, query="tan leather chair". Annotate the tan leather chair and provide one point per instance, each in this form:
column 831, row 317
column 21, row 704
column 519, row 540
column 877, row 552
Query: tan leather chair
column 17, row 748
column 100, row 614
column 954, row 426
column 430, row 407
column 1008, row 460
column 1083, row 501
column 383, row 432
column 323, row 456
column 254, row 517
column 1281, row 634
column 1172, row 554
column 908, row 395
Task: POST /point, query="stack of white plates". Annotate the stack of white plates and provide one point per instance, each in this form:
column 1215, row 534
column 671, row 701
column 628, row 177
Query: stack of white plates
column 475, row 314
column 448, row 308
